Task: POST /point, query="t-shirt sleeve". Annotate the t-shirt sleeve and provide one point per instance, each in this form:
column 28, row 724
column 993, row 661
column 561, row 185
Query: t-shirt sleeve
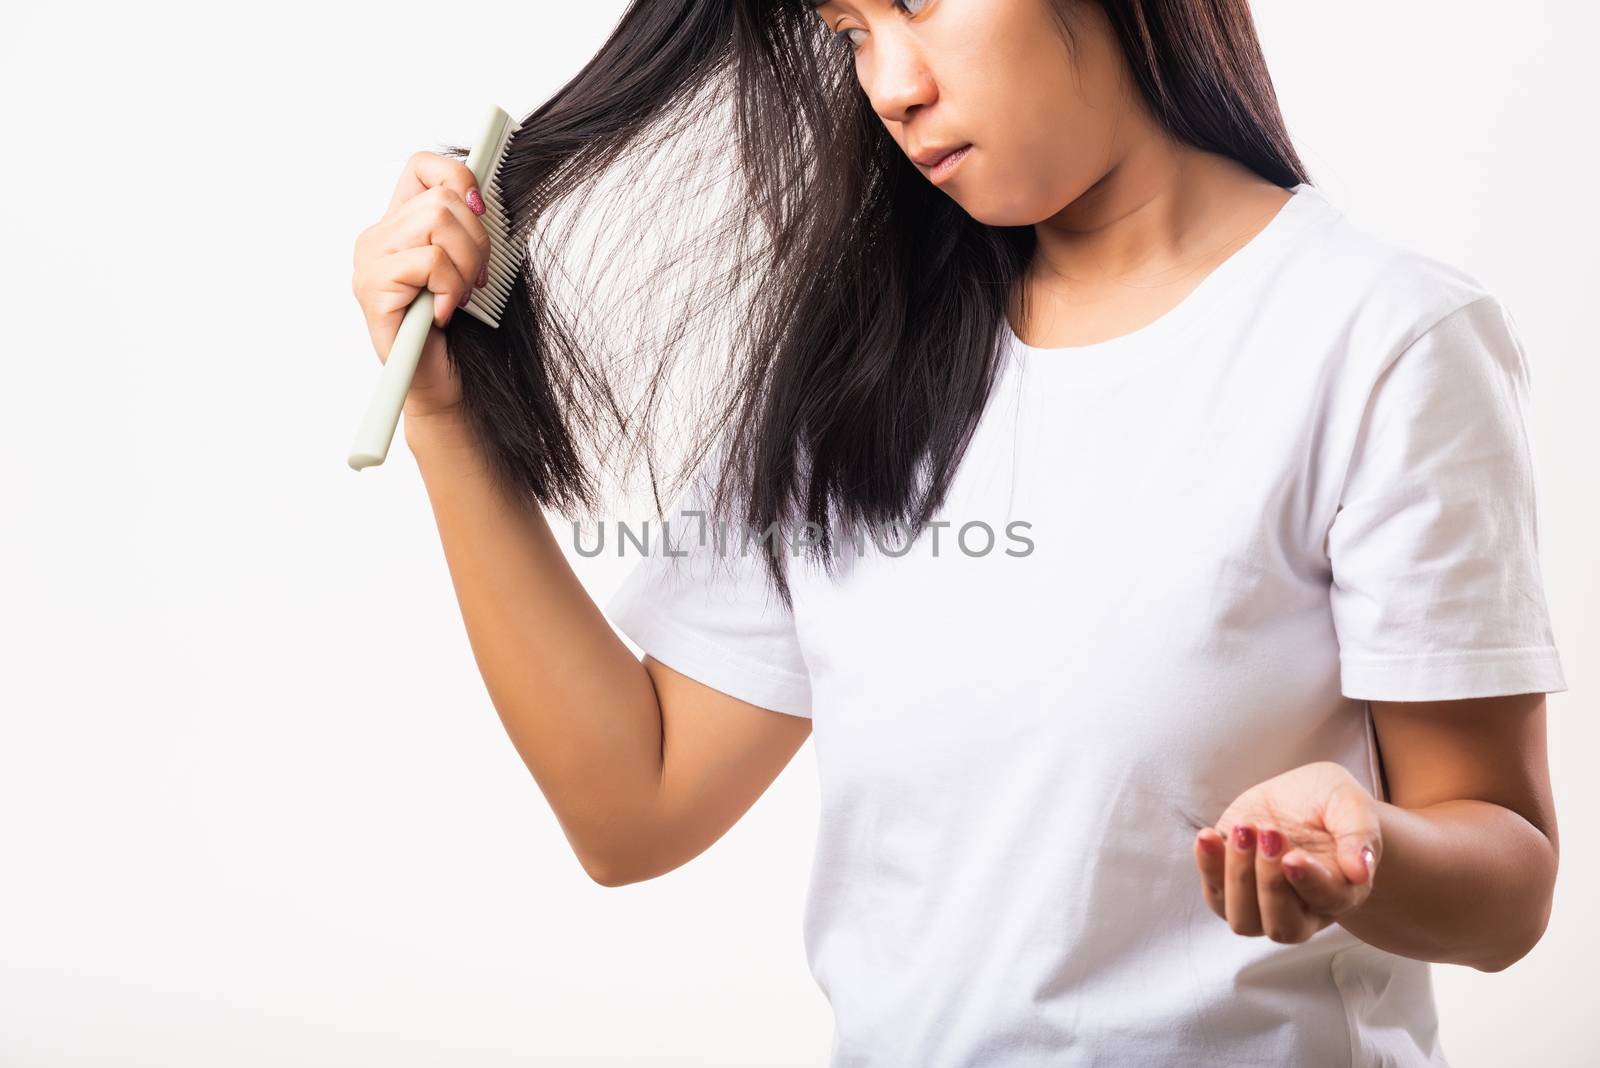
column 700, row 601
column 1436, row 588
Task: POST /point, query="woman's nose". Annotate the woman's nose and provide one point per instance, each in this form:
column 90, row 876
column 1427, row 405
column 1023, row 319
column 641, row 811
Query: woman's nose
column 898, row 83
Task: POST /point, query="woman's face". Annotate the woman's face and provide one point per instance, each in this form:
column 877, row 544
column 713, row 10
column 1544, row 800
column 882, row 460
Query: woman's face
column 1042, row 120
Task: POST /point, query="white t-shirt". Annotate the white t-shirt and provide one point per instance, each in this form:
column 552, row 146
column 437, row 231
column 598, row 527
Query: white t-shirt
column 1307, row 486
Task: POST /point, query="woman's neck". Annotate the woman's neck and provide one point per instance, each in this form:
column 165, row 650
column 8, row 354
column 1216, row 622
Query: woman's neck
column 1138, row 241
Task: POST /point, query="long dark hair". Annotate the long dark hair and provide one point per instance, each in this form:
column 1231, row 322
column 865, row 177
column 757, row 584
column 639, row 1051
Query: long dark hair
column 862, row 309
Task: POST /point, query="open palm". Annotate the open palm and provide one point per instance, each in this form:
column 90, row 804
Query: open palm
column 1286, row 858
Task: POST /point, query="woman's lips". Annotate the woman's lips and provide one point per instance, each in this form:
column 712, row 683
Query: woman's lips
column 946, row 166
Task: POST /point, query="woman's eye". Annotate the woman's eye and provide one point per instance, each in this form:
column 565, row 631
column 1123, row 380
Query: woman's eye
column 843, row 36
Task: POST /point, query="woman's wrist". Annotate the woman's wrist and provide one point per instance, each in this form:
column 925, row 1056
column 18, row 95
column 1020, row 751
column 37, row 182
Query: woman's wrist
column 445, row 424
column 445, row 441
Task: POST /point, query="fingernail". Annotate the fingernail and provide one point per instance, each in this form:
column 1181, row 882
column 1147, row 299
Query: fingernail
column 483, row 276
column 1271, row 843
column 1367, row 859
column 475, row 201
column 464, row 298
column 1244, row 836
column 1294, row 873
column 1209, row 844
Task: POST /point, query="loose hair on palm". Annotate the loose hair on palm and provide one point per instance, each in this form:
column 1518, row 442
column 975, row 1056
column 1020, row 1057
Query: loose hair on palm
column 805, row 305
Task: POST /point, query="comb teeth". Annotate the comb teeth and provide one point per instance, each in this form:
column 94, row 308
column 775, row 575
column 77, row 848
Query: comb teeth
column 485, row 161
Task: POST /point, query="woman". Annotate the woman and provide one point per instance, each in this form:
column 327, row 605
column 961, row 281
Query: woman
column 1197, row 704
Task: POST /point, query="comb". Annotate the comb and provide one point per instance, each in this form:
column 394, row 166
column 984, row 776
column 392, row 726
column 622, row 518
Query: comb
column 376, row 432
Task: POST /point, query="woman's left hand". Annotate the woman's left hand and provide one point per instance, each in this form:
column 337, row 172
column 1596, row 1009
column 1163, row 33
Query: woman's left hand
column 1291, row 854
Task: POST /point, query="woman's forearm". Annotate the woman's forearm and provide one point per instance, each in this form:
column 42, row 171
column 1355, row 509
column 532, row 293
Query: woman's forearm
column 1459, row 882
column 578, row 705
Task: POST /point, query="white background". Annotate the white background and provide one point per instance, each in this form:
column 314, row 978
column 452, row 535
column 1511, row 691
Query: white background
column 255, row 807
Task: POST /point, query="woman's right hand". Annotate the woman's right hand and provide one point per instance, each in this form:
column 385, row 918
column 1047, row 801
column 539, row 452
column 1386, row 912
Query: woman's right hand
column 429, row 238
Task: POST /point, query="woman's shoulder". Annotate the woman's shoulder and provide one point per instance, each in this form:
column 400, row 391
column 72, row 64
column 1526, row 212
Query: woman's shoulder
column 1381, row 285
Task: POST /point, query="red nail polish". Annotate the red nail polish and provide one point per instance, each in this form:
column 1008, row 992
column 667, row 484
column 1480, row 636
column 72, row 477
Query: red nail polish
column 1294, row 873
column 483, row 276
column 1244, row 836
column 475, row 201
column 1271, row 843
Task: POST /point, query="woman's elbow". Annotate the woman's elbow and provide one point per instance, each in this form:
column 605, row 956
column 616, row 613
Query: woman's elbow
column 1521, row 938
